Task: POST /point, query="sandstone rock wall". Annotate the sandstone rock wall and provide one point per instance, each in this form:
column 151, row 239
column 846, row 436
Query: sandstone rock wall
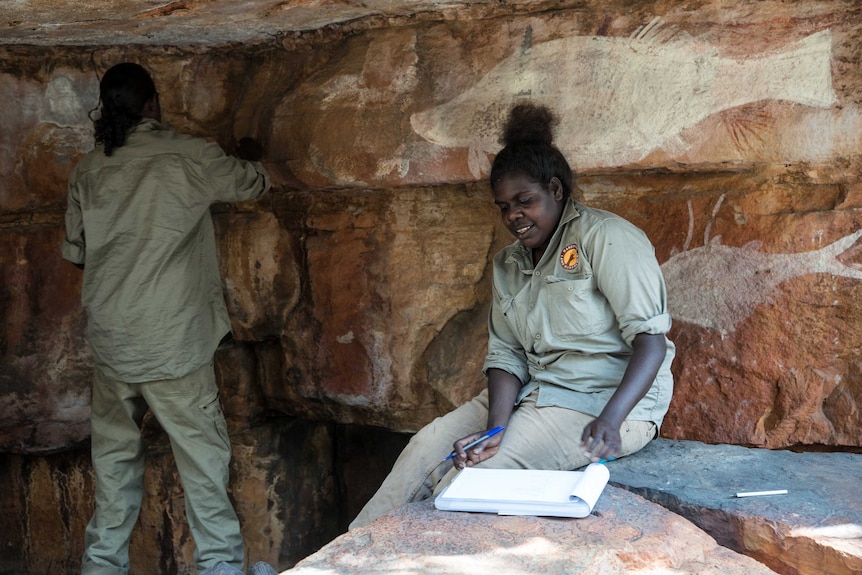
column 731, row 138
column 359, row 286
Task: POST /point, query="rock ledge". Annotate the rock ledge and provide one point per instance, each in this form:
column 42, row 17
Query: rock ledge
column 671, row 508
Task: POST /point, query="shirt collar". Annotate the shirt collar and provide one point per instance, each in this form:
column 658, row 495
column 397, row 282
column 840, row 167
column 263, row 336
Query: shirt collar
column 147, row 125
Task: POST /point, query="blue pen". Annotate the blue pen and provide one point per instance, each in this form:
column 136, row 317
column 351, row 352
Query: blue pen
column 494, row 431
column 603, row 461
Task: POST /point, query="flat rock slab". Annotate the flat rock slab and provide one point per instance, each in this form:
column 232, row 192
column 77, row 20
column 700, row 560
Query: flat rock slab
column 625, row 534
column 816, row 528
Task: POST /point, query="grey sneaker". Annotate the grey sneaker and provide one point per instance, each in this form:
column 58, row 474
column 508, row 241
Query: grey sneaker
column 221, row 568
column 262, row 568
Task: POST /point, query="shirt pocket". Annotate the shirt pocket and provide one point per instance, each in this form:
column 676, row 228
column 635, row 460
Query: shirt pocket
column 575, row 309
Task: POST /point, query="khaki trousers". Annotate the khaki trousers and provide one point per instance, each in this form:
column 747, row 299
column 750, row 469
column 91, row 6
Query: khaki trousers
column 188, row 410
column 536, row 438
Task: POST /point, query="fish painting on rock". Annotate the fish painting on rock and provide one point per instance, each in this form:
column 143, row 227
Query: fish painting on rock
column 699, row 293
column 620, row 99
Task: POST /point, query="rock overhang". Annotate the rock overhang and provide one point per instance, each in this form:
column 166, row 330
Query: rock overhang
column 219, row 22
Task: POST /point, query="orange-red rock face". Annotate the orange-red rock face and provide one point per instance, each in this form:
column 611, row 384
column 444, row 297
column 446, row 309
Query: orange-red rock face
column 360, row 284
column 765, row 323
column 370, row 257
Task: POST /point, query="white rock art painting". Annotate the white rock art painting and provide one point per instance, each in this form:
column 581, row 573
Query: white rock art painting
column 717, row 286
column 620, row 99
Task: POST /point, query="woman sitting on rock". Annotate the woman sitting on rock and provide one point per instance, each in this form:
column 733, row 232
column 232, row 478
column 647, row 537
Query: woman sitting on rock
column 578, row 361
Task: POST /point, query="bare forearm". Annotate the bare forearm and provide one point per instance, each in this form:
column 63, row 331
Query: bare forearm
column 649, row 352
column 503, row 389
column 601, row 437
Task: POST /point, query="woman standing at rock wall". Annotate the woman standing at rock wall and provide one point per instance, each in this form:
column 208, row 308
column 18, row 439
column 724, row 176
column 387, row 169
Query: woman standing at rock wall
column 138, row 223
column 578, row 361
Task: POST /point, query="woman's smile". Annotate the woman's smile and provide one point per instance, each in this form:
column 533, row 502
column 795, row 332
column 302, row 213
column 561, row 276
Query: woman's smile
column 523, row 230
column 528, row 210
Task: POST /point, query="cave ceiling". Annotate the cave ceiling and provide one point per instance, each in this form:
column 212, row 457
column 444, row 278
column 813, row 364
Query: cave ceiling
column 223, row 22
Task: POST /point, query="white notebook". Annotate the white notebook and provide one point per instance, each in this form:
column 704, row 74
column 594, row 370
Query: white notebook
column 525, row 491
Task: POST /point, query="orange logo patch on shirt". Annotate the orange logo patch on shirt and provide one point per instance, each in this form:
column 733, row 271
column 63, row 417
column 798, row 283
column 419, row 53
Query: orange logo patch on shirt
column 569, row 257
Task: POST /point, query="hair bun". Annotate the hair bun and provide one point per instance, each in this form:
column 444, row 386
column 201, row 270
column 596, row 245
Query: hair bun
column 529, row 124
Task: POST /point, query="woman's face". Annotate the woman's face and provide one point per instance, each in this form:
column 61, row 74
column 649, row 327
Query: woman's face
column 530, row 212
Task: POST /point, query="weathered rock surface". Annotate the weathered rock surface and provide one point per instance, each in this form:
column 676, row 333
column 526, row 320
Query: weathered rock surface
column 359, row 287
column 293, row 481
column 815, row 529
column 189, row 22
column 363, row 277
column 626, row 534
column 45, row 372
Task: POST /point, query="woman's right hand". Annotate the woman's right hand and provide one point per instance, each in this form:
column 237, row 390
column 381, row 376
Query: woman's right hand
column 474, row 455
column 502, row 390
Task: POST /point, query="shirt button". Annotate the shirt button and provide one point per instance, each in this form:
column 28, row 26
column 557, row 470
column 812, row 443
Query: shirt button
column 538, row 336
column 571, row 288
column 537, row 273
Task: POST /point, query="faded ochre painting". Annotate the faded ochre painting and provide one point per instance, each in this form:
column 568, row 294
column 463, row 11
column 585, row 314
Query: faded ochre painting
column 716, row 286
column 621, row 99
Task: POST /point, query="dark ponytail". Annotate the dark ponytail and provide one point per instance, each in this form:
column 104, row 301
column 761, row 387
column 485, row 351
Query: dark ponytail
column 123, row 92
column 528, row 138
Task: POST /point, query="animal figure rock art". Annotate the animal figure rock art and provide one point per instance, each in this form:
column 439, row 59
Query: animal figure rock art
column 620, row 99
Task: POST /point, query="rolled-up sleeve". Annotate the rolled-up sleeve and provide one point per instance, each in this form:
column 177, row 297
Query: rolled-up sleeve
column 73, row 248
column 630, row 278
column 504, row 350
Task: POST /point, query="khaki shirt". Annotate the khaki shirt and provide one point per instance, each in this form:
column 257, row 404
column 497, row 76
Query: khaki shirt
column 140, row 222
column 566, row 326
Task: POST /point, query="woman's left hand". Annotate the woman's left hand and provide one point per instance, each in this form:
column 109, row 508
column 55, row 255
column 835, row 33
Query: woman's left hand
column 601, row 439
